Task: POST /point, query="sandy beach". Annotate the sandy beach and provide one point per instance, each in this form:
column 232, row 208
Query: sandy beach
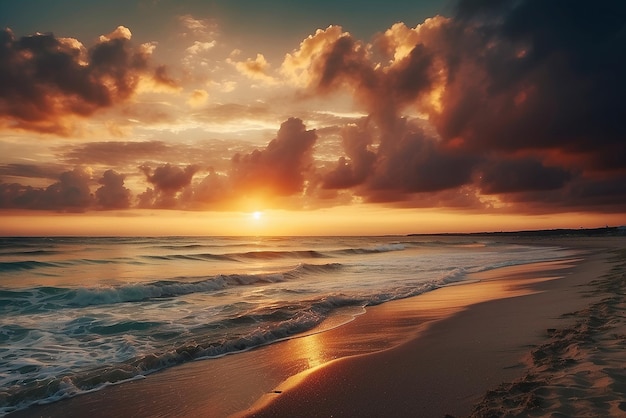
column 529, row 340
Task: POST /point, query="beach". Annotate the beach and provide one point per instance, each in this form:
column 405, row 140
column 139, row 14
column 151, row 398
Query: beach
column 529, row 340
column 556, row 352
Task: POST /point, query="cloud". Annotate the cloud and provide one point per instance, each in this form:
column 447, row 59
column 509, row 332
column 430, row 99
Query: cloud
column 418, row 163
column 112, row 194
column 215, row 191
column 388, row 158
column 358, row 166
column 535, row 75
column 256, row 69
column 44, row 171
column 601, row 194
column 196, row 54
column 297, row 64
column 71, row 193
column 115, row 153
column 120, row 32
column 199, row 28
column 283, row 172
column 520, row 175
column 203, row 32
column 198, row 98
column 168, row 181
column 234, row 111
column 162, row 81
column 280, row 168
column 45, row 79
column 509, row 104
column 497, row 81
column 199, row 47
column 189, row 147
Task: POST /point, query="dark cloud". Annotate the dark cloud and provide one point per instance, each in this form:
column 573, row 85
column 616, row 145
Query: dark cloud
column 190, row 147
column 71, row 193
column 44, row 171
column 538, row 75
column 44, row 78
column 406, row 161
column 541, row 77
column 168, row 178
column 388, row 158
column 280, row 168
column 499, row 80
column 520, row 175
column 162, row 77
column 602, row 194
column 168, row 182
column 112, row 194
column 352, row 171
column 17, row 196
column 115, row 153
column 417, row 163
column 214, row 191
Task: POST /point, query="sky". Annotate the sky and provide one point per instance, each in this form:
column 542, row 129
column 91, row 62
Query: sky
column 241, row 117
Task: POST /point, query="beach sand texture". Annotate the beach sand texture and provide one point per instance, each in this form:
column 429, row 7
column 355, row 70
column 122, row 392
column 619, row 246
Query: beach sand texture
column 580, row 370
column 553, row 331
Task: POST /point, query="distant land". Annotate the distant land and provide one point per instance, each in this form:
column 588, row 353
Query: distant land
column 562, row 232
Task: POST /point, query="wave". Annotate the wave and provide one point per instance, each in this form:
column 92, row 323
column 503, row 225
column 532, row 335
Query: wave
column 11, row 252
column 374, row 250
column 9, row 266
column 281, row 324
column 25, row 265
column 191, row 257
column 271, row 255
column 279, row 254
column 235, row 257
column 319, row 254
column 43, row 299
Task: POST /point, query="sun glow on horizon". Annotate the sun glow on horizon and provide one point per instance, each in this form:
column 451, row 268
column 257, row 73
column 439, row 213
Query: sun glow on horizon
column 347, row 220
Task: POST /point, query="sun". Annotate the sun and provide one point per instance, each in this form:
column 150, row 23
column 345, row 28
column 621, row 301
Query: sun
column 256, row 215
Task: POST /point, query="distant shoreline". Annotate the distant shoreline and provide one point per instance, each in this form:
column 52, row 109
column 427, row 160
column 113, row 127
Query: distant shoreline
column 608, row 231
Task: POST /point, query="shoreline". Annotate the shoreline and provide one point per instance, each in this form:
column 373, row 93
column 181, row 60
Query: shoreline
column 448, row 369
column 265, row 376
column 577, row 370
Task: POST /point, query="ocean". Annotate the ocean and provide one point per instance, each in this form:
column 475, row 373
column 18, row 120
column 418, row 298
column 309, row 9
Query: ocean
column 78, row 314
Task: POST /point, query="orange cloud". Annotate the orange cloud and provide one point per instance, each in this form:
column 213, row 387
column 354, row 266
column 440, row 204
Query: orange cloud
column 198, row 98
column 45, row 80
column 297, row 65
column 280, row 168
column 257, row 69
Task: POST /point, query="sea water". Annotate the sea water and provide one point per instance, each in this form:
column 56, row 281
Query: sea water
column 78, row 314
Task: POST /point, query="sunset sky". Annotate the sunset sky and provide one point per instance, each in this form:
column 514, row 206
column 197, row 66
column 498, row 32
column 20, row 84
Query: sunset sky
column 163, row 117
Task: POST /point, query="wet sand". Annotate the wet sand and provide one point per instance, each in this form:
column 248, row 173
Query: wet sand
column 431, row 355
